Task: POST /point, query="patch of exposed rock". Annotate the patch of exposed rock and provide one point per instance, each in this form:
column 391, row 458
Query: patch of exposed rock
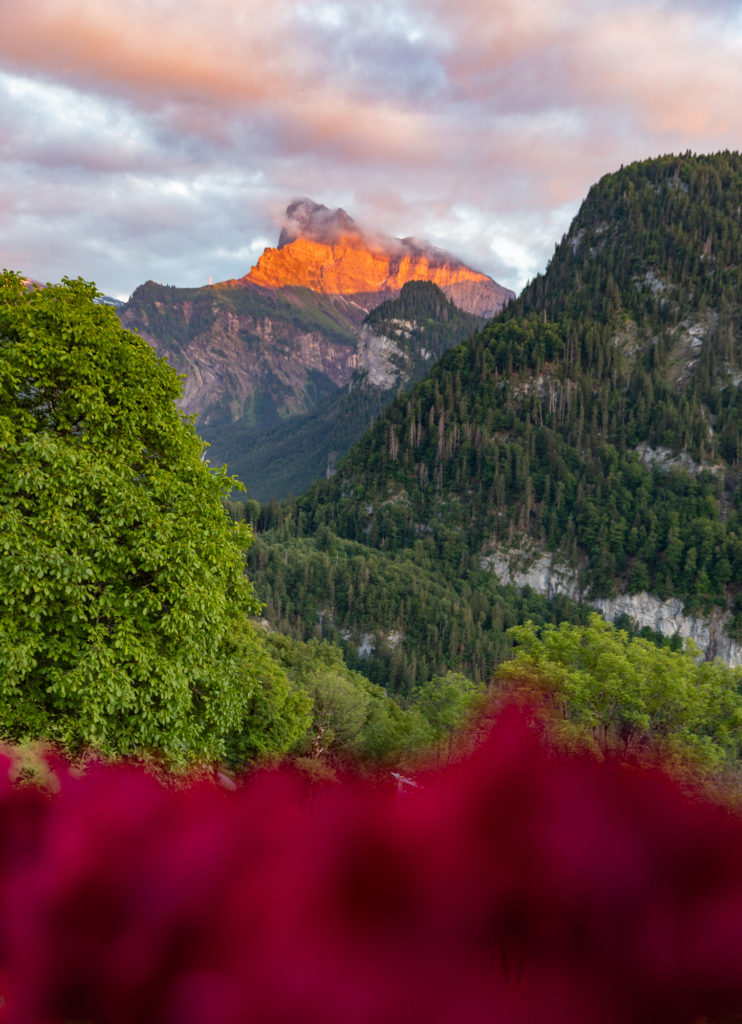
column 546, row 575
column 386, row 363
column 368, row 642
column 378, row 356
column 665, row 459
column 482, row 298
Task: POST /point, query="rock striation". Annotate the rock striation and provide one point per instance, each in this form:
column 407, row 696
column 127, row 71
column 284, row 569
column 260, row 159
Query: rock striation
column 247, row 354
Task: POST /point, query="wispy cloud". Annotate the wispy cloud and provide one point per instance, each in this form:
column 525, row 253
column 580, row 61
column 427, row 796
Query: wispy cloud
column 161, row 140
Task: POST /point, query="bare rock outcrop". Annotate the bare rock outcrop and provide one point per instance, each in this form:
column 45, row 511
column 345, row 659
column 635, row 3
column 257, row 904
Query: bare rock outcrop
column 544, row 573
column 326, row 251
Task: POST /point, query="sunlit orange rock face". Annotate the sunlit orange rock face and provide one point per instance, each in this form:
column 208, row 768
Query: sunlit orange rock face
column 348, row 266
column 325, row 250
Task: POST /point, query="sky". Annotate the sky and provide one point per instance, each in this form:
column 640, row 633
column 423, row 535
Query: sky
column 163, row 139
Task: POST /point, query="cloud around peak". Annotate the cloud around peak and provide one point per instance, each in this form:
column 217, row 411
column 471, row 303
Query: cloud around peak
column 306, row 219
column 189, row 125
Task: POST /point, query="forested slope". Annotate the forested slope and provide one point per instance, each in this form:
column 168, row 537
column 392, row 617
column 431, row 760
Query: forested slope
column 598, row 417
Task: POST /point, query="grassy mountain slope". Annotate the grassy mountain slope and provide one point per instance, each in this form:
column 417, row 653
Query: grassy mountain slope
column 597, row 418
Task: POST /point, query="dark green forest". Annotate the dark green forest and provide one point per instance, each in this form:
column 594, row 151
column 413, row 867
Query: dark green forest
column 598, row 415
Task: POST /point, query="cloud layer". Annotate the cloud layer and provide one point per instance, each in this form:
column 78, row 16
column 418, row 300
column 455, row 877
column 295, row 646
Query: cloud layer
column 165, row 141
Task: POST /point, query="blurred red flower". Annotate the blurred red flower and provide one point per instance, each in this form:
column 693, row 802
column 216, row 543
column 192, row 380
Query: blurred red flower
column 518, row 886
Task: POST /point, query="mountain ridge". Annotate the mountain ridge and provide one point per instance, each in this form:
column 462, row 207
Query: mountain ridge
column 326, row 251
column 568, row 421
column 397, row 342
column 257, row 354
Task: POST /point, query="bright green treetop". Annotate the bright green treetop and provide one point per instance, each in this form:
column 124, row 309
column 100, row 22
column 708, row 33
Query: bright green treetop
column 122, row 590
column 350, row 717
column 624, row 693
column 448, row 704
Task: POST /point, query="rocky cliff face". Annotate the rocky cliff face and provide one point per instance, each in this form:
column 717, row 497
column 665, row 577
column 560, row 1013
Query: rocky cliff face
column 238, row 371
column 249, row 355
column 546, row 575
column 378, row 356
column 386, row 360
column 326, row 251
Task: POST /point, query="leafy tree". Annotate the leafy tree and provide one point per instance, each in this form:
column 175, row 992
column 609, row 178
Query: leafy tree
column 626, row 694
column 340, row 697
column 392, row 734
column 277, row 715
column 351, row 717
column 448, row 703
column 122, row 586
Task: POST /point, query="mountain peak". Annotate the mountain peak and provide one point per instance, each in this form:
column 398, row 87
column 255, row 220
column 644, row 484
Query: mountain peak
column 326, row 251
column 306, row 219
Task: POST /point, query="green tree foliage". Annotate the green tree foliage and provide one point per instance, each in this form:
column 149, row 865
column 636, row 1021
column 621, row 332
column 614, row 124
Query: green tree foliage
column 351, row 717
column 276, row 713
column 448, row 704
column 626, row 694
column 122, row 586
column 443, row 610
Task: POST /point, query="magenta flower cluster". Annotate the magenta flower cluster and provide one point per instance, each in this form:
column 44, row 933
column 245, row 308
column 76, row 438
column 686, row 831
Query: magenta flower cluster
column 517, row 887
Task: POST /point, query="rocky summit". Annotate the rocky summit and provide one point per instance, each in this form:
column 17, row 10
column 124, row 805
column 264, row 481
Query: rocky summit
column 326, row 250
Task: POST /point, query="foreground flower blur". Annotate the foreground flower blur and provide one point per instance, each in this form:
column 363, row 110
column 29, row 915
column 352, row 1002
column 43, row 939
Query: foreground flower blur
column 519, row 886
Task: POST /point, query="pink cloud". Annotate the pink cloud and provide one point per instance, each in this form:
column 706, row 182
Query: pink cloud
column 515, row 105
column 154, row 50
column 678, row 72
column 664, row 69
column 204, row 66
